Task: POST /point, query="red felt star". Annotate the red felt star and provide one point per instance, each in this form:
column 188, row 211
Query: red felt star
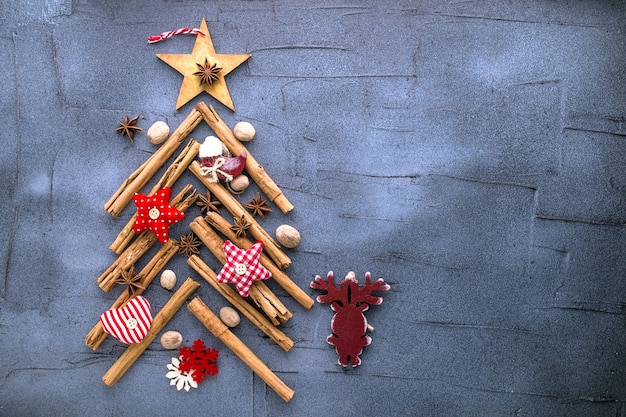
column 155, row 213
column 242, row 268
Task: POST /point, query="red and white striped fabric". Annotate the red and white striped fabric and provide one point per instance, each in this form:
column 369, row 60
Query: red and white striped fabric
column 169, row 34
column 242, row 268
column 130, row 323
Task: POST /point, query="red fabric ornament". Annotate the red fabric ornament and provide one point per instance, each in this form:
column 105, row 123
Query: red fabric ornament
column 215, row 165
column 223, row 168
column 130, row 323
column 199, row 359
column 348, row 301
column 242, row 268
column 156, row 214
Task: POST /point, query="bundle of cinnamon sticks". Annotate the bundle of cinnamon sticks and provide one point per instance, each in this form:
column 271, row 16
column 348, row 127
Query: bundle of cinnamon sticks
column 131, row 247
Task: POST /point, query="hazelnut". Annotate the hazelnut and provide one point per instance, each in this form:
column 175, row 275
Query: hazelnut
column 171, row 339
column 168, row 279
column 158, row 132
column 244, row 131
column 229, row 316
column 239, row 183
column 287, row 236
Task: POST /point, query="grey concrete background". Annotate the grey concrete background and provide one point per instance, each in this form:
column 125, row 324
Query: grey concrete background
column 471, row 153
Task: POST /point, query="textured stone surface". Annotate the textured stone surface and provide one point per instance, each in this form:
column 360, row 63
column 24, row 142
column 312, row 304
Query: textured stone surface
column 469, row 153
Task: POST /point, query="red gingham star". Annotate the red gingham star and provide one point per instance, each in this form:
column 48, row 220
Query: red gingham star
column 242, row 268
column 155, row 213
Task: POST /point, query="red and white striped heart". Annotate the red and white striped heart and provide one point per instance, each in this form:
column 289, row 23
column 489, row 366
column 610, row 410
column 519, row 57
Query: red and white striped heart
column 130, row 323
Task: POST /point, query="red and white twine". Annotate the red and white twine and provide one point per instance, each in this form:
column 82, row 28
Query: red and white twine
column 181, row 31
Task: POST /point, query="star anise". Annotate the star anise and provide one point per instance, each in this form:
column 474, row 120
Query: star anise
column 128, row 127
column 132, row 279
column 258, row 206
column 188, row 244
column 207, row 72
column 241, row 226
column 206, row 204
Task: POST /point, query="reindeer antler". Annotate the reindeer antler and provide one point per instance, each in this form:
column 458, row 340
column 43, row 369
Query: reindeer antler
column 332, row 292
column 364, row 294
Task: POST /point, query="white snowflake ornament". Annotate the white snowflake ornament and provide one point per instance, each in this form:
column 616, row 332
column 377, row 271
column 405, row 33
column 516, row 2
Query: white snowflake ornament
column 180, row 379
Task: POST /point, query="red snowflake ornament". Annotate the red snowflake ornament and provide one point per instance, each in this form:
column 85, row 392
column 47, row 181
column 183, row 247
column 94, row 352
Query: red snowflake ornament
column 349, row 301
column 242, row 268
column 156, row 214
column 199, row 359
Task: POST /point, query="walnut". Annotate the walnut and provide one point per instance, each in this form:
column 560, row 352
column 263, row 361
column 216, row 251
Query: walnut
column 171, row 339
column 239, row 183
column 244, row 131
column 287, row 236
column 158, row 132
column 229, row 316
column 168, row 279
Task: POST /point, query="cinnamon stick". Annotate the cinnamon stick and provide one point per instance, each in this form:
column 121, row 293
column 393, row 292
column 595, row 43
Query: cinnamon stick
column 97, row 335
column 223, row 226
column 262, row 296
column 140, row 246
column 267, row 301
column 132, row 352
column 236, row 209
column 136, row 250
column 173, row 172
column 142, row 175
column 253, row 168
column 219, row 330
column 246, row 309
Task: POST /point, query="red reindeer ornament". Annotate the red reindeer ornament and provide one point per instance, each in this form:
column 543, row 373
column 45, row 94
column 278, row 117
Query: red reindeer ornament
column 348, row 301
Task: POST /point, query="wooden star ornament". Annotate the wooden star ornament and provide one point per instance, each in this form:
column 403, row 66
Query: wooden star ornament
column 204, row 70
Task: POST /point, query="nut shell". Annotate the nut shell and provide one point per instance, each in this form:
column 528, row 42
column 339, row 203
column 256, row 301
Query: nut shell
column 239, row 183
column 229, row 316
column 168, row 279
column 244, row 131
column 158, row 132
column 171, row 339
column 288, row 236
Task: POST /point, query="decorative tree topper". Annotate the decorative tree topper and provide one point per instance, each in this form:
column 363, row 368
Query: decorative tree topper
column 156, row 214
column 204, row 70
column 242, row 268
column 348, row 301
